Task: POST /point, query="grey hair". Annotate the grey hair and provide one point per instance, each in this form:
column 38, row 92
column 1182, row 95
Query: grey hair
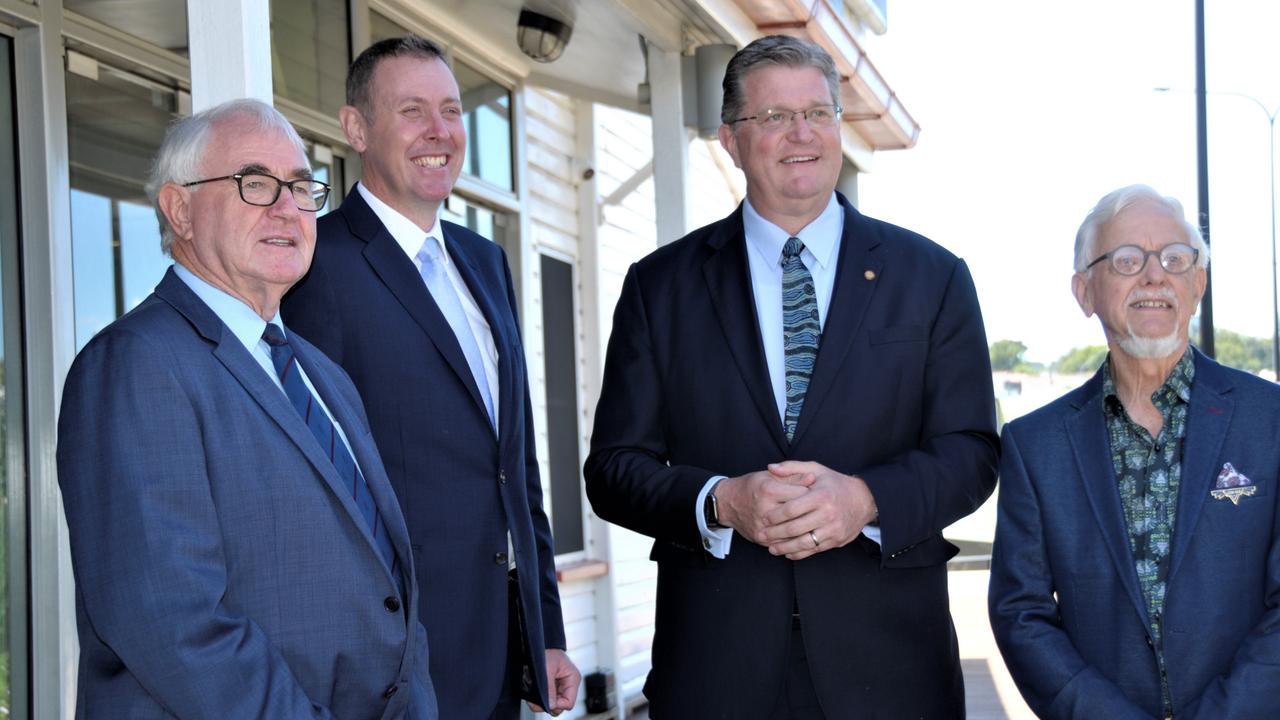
column 1113, row 202
column 775, row 50
column 181, row 155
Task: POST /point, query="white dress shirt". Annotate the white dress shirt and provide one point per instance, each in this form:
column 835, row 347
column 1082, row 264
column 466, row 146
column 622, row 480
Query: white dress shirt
column 248, row 327
column 821, row 239
column 410, row 238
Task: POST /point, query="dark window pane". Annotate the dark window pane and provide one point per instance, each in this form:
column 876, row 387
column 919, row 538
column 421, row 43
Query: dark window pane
column 559, row 352
column 162, row 23
column 11, row 409
column 309, row 52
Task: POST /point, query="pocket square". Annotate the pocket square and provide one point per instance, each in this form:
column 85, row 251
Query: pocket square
column 1232, row 485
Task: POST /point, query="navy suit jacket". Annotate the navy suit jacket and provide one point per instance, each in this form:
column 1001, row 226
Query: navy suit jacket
column 900, row 395
column 462, row 488
column 222, row 568
column 1066, row 606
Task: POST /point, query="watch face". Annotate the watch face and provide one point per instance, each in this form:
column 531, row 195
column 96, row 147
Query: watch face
column 711, row 512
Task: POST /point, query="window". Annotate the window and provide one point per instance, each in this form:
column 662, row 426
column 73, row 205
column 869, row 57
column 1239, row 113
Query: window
column 162, row 23
column 115, row 122
column 309, row 52
column 561, row 372
column 487, row 115
column 12, row 625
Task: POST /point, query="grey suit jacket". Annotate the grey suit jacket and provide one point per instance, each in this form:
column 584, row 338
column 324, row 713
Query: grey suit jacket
column 222, row 570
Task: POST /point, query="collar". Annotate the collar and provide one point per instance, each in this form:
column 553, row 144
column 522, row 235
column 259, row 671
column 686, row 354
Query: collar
column 820, row 237
column 1176, row 387
column 243, row 322
column 404, row 231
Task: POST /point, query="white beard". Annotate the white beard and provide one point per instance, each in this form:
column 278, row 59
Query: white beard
column 1149, row 348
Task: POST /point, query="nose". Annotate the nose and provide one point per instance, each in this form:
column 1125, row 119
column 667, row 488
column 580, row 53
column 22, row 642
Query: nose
column 285, row 205
column 1153, row 272
column 434, row 124
column 799, row 128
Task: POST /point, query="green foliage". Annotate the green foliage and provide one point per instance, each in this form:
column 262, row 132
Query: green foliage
column 1085, row 359
column 1250, row 354
column 1007, row 354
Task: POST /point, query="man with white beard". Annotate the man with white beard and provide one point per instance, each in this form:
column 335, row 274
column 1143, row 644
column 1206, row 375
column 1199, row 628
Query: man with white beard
column 1136, row 568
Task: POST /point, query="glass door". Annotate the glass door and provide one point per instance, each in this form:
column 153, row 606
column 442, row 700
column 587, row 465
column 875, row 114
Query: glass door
column 13, row 620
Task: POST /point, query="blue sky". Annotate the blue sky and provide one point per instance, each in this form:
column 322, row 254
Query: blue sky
column 1031, row 111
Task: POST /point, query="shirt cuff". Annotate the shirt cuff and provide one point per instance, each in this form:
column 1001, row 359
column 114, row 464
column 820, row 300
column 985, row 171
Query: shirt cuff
column 873, row 533
column 714, row 541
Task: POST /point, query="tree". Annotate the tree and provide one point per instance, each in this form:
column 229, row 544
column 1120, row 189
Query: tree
column 1007, row 354
column 1082, row 359
column 1250, row 354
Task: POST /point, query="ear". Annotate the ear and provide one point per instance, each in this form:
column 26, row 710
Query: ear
column 175, row 203
column 1080, row 288
column 729, row 142
column 354, row 126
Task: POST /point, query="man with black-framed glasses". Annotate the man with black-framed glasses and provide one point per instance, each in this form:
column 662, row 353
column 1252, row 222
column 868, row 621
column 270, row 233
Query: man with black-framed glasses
column 238, row 549
column 796, row 400
column 1136, row 568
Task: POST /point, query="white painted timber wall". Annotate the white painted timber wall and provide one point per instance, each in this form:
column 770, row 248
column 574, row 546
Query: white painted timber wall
column 553, row 224
column 628, row 232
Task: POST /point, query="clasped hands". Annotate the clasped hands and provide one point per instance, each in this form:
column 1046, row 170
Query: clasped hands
column 789, row 505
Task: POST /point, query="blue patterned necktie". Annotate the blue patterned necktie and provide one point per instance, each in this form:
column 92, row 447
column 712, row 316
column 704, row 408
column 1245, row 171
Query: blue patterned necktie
column 801, row 331
column 446, row 297
column 327, row 435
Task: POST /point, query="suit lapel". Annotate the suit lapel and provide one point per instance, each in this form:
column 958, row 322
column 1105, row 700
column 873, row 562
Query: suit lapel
column 1087, row 431
column 489, row 306
column 728, row 280
column 1208, row 417
column 366, row 457
column 850, row 296
column 250, row 375
column 398, row 273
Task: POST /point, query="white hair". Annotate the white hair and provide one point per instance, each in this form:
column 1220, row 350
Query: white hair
column 182, row 152
column 1112, row 203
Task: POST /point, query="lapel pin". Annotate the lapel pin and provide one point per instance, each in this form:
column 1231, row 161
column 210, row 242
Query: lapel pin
column 870, row 274
column 1232, row 485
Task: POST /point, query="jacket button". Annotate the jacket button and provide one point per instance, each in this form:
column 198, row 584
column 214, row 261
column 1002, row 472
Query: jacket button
column 502, row 476
column 500, row 558
column 391, row 690
column 392, row 604
column 1149, row 643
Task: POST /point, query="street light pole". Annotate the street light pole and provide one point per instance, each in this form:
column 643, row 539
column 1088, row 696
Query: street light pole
column 1271, row 158
column 1275, row 289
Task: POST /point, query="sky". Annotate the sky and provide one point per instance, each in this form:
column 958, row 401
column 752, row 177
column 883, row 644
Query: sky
column 1031, row 111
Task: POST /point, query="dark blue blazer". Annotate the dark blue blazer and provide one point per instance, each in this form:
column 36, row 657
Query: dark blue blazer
column 222, row 568
column 900, row 395
column 461, row 486
column 1066, row 606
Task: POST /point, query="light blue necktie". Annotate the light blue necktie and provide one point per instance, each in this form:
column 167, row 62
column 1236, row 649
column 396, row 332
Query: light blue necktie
column 801, row 332
column 442, row 290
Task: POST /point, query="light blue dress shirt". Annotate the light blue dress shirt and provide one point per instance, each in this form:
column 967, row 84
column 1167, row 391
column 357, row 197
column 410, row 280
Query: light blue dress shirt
column 821, row 239
column 247, row 326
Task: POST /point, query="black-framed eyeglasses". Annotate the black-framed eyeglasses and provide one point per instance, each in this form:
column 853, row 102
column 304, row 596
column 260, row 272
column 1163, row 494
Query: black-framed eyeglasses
column 819, row 116
column 263, row 190
column 1175, row 258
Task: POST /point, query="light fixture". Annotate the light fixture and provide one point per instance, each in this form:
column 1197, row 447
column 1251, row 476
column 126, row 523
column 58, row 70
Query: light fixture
column 541, row 37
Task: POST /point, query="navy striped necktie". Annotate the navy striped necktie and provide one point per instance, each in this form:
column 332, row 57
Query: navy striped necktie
column 801, row 331
column 327, row 435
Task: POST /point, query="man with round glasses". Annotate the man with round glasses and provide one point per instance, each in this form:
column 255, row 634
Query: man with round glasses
column 796, row 400
column 1136, row 568
column 238, row 549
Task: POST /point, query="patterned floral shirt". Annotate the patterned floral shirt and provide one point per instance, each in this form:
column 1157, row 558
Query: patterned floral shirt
column 1148, row 471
